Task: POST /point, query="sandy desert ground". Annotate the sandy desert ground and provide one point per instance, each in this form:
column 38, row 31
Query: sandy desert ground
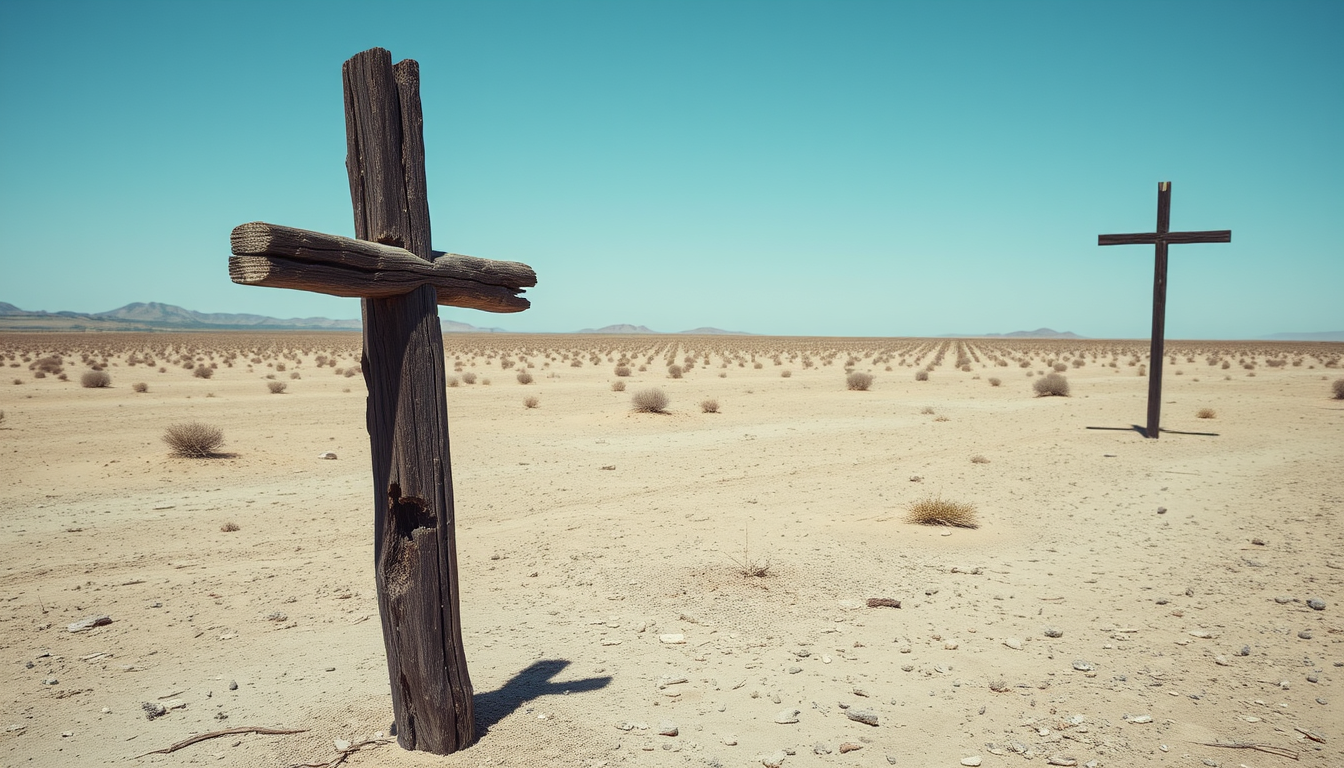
column 1124, row 602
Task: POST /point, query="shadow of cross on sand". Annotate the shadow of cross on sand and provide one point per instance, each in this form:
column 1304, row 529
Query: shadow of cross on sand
column 531, row 683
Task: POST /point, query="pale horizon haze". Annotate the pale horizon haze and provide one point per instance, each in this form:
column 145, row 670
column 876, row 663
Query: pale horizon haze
column 787, row 168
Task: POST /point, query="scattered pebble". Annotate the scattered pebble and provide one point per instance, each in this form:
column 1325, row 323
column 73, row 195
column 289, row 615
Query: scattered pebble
column 233, row 685
column 153, row 709
column 1013, row 643
column 1245, row 651
column 1316, row 604
column 1054, row 632
column 1161, row 510
column 821, row 748
column 1083, row 666
column 787, row 716
column 730, row 740
column 1304, row 634
column 328, row 455
column 1138, row 718
column 972, row 761
column 773, row 761
column 90, row 622
column 668, row 728
column 865, row 716
column 1283, row 599
column 795, row 670
column 849, row 746
column 1061, row 760
column 672, row 639
column 340, row 744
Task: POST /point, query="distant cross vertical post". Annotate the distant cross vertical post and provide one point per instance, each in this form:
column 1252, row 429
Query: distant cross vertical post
column 400, row 281
column 1161, row 239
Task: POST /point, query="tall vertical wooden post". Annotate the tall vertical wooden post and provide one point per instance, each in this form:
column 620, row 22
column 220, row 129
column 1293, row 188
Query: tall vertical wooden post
column 414, row 544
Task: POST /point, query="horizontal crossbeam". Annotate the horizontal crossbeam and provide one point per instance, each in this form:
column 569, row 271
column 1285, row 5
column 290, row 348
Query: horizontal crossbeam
column 284, row 257
column 1170, row 238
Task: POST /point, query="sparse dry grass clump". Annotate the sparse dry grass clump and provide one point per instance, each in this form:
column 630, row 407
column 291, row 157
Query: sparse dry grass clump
column 193, row 439
column 921, row 375
column 1338, row 389
column 935, row 510
column 1206, row 413
column 230, row 527
column 203, row 372
column 786, row 373
column 675, row 371
column 709, row 406
column 469, row 377
column 994, row 381
column 524, row 377
column 95, row 379
column 1051, row 385
column 276, row 387
column 618, row 386
column 979, row 459
column 859, row 381
column 531, row 401
column 652, row 400
column 139, row 386
column 622, row 370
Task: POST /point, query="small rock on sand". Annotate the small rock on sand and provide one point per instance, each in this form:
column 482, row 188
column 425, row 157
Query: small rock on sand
column 1054, row 632
column 89, row 622
column 865, row 716
column 1083, row 666
column 971, row 761
column 787, row 716
column 672, row 639
column 668, row 728
column 773, row 761
column 328, row 455
column 850, row 746
column 1316, row 604
column 1013, row 643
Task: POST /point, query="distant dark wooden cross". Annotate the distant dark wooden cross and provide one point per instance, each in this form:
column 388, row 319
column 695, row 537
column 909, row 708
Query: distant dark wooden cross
column 1161, row 239
column 401, row 282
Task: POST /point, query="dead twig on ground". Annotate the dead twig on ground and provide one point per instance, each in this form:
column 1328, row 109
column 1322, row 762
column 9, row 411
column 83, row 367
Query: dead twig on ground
column 1268, row 749
column 343, row 754
column 216, row 734
column 1314, row 736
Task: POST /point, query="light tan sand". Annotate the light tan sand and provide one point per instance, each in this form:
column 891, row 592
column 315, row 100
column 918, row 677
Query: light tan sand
column 571, row 570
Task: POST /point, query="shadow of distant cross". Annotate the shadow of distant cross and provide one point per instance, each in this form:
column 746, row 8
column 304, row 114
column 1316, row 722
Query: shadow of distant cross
column 529, row 684
column 1144, row 432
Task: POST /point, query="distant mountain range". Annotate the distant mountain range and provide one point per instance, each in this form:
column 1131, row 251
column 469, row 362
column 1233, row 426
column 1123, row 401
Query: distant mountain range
column 628, row 328
column 154, row 316
column 1039, row 333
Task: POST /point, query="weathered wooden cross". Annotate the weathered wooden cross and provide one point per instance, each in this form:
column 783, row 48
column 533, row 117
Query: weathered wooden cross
column 401, row 282
column 1161, row 239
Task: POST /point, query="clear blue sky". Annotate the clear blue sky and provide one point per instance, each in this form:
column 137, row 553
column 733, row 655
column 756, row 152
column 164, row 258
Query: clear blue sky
column 806, row 168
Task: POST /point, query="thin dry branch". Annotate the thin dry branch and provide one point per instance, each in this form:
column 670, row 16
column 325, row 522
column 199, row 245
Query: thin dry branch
column 343, row 754
column 1268, row 749
column 216, row 734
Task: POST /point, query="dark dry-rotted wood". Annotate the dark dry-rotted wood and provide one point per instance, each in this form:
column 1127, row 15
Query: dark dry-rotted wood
column 285, row 257
column 414, row 541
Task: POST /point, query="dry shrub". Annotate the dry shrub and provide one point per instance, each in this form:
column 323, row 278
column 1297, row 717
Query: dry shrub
column 230, row 527
column 95, row 379
column 921, row 375
column 531, row 401
column 452, row 381
column 1206, row 413
column 859, row 381
column 1060, row 367
column 1338, row 389
column 622, row 370
column 1051, row 384
column 650, row 401
column 674, row 371
column 469, row 377
column 618, row 386
column 784, row 374
column 203, row 372
column 193, row 439
column 140, row 386
column 276, row 387
column 935, row 510
column 927, row 410
column 979, row 459
column 524, row 377
column 995, row 381
column 709, row 406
